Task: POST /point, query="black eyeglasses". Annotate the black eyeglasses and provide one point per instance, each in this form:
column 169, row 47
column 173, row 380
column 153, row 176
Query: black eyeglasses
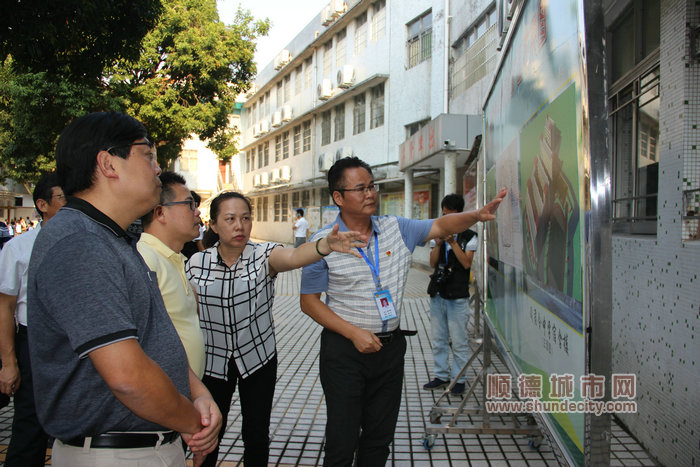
column 190, row 202
column 150, row 144
column 372, row 188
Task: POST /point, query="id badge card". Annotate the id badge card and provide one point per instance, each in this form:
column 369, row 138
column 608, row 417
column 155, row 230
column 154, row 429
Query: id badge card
column 385, row 305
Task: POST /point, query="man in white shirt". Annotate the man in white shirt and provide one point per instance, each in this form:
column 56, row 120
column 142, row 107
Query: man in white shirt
column 301, row 227
column 28, row 443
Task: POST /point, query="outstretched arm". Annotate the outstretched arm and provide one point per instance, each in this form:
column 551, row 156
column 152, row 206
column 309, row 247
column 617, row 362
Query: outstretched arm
column 286, row 259
column 459, row 222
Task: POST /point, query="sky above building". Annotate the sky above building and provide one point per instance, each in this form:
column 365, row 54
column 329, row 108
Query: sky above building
column 288, row 19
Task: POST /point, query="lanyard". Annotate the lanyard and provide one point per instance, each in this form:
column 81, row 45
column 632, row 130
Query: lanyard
column 373, row 267
column 447, row 251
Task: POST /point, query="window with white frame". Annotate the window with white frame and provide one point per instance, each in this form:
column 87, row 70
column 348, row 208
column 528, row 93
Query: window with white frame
column 278, row 148
column 307, row 73
column 262, row 107
column 306, row 136
column 265, row 208
column 295, row 200
column 279, row 94
column 285, row 207
column 340, row 49
column 254, row 112
column 298, row 80
column 378, row 19
column 376, row 116
column 296, row 140
column 188, row 160
column 325, row 127
column 267, row 103
column 359, row 114
column 285, row 145
column 305, row 198
column 253, row 207
column 360, row 33
column 327, row 58
column 287, row 87
column 278, row 208
column 634, row 99
column 419, row 46
column 339, row 122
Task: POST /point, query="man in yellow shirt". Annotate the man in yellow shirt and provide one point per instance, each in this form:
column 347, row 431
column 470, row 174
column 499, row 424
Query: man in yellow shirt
column 172, row 223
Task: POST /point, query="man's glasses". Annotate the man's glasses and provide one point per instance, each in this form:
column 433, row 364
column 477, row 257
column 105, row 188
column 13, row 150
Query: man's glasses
column 190, row 202
column 59, row 196
column 150, row 144
column 372, row 188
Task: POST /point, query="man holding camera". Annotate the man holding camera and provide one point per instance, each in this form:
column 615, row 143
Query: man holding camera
column 451, row 257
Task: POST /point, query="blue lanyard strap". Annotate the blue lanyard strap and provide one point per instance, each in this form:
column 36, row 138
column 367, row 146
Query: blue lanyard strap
column 373, row 267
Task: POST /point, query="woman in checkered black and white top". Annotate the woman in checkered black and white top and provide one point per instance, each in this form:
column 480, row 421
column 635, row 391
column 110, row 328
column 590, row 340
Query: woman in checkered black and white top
column 234, row 281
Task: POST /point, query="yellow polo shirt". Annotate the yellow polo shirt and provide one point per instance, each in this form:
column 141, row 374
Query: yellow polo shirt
column 179, row 298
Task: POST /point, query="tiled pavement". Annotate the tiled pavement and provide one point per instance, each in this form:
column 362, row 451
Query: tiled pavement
column 298, row 415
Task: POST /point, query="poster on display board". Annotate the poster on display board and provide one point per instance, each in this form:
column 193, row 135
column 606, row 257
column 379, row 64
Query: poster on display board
column 392, row 204
column 313, row 217
column 534, row 145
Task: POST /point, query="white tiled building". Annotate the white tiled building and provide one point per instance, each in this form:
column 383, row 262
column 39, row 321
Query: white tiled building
column 357, row 80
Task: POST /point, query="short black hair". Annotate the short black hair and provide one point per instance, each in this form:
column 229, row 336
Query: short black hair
column 300, row 212
column 167, row 194
column 44, row 189
column 337, row 172
column 453, row 202
column 79, row 143
column 195, row 196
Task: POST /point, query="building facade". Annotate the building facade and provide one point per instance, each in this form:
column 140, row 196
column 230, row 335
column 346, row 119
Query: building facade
column 358, row 80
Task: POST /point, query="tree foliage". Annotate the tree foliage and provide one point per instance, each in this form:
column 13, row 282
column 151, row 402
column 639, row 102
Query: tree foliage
column 75, row 38
column 183, row 81
column 187, row 78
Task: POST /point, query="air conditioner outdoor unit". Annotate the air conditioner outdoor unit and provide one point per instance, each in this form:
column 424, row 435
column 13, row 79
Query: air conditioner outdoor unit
column 256, row 130
column 286, row 113
column 276, row 62
column 325, row 89
column 276, row 119
column 256, row 180
column 325, row 162
column 326, row 17
column 346, row 76
column 264, row 127
column 251, row 92
column 285, row 56
column 337, row 8
column 345, row 151
column 264, row 179
column 285, row 174
column 275, row 175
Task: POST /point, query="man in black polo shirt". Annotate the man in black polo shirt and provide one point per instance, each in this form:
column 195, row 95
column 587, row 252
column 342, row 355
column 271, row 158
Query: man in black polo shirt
column 110, row 372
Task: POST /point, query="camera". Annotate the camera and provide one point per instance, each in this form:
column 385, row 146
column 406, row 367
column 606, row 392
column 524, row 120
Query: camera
column 443, row 273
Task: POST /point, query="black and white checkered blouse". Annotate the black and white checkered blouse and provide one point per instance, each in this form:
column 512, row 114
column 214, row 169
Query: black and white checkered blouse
column 235, row 307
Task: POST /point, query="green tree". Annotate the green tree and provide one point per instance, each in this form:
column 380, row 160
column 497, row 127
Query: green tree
column 52, row 59
column 74, row 38
column 187, row 78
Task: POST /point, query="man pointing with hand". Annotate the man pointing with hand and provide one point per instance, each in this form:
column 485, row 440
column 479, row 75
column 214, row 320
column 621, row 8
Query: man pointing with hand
column 362, row 346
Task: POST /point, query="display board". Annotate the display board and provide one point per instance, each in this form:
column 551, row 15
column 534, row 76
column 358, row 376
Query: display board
column 535, row 133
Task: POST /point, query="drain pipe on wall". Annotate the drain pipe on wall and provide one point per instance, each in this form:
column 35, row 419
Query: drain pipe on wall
column 446, row 80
